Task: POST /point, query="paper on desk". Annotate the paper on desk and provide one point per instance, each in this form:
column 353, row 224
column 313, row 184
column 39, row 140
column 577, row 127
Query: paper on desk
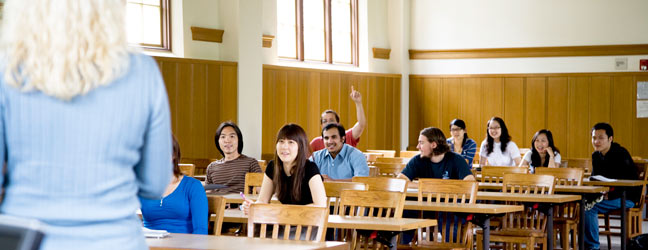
column 150, row 233
column 601, row 178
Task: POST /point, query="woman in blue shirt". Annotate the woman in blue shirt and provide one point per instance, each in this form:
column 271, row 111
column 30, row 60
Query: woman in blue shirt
column 182, row 208
column 460, row 143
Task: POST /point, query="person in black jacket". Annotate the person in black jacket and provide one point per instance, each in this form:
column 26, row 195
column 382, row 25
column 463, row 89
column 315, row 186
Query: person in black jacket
column 612, row 161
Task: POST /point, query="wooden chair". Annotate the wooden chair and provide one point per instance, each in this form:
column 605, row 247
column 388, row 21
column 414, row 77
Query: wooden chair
column 199, row 163
column 216, row 212
column 409, row 154
column 526, row 227
column 187, row 169
column 253, row 183
column 373, row 171
column 372, row 156
column 334, row 189
column 566, row 216
column 262, row 164
column 495, row 174
column 392, row 160
column 382, row 183
column 389, row 169
column 635, row 216
column 289, row 216
column 451, row 232
column 357, row 203
column 386, row 153
column 584, row 163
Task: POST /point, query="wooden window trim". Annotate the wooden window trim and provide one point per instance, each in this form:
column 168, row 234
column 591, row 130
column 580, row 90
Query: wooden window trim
column 165, row 27
column 328, row 51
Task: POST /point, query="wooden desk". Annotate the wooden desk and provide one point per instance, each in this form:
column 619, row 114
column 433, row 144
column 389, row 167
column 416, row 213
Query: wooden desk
column 483, row 212
column 551, row 200
column 557, row 189
column 209, row 242
column 345, row 222
column 623, row 185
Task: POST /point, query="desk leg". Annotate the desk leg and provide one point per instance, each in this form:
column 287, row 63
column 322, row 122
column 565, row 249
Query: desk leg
column 550, row 238
column 581, row 224
column 623, row 219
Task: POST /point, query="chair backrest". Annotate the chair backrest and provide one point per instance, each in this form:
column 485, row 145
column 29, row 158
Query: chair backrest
column 382, row 183
column 451, row 230
column 528, row 184
column 199, row 163
column 408, row 154
column 447, row 191
column 311, row 220
column 187, row 169
column 389, row 169
column 217, row 209
column 564, row 176
column 495, row 174
column 372, row 156
column 372, row 203
column 642, row 172
column 334, row 189
column 584, row 163
column 392, row 160
column 263, row 165
column 386, row 153
column 253, row 183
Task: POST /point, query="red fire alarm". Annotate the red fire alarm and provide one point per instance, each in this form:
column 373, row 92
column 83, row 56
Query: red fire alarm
column 643, row 64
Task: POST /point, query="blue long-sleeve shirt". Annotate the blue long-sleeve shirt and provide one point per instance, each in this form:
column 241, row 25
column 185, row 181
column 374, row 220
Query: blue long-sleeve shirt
column 467, row 151
column 182, row 211
column 79, row 165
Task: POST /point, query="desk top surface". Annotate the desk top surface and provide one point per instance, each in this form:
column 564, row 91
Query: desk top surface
column 210, row 242
column 617, row 183
column 558, row 188
column 463, row 208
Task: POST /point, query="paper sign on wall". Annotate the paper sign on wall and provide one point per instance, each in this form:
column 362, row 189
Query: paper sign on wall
column 642, row 90
column 642, row 109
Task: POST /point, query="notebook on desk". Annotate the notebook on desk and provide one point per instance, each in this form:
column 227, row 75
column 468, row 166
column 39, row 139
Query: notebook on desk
column 601, row 178
column 20, row 234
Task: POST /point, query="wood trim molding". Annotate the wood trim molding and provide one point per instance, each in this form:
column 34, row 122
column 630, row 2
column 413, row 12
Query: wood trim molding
column 381, row 53
column 610, row 74
column 267, row 41
column 279, row 67
column 564, row 51
column 206, row 34
column 191, row 60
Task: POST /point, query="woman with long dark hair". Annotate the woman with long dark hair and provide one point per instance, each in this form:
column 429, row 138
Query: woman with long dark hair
column 291, row 176
column 460, row 143
column 543, row 152
column 498, row 149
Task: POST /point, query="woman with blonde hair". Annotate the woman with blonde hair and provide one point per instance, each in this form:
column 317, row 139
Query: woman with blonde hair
column 84, row 123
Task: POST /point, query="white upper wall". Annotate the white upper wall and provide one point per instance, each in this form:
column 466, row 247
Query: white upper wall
column 465, row 24
column 204, row 14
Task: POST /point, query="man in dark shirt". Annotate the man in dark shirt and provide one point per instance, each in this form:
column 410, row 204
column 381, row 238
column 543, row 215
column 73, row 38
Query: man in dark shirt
column 435, row 160
column 612, row 161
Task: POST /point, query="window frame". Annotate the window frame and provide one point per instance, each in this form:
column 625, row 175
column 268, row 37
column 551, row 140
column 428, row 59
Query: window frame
column 165, row 28
column 328, row 41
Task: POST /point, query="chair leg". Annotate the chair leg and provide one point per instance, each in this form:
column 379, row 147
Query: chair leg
column 564, row 236
column 607, row 228
column 574, row 238
column 479, row 242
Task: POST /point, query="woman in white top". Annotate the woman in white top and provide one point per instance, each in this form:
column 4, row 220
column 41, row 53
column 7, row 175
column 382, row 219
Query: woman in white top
column 498, row 149
column 543, row 153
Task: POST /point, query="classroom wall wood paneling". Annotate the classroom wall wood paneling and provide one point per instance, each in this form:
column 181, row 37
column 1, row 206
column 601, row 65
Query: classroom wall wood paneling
column 202, row 94
column 568, row 104
column 299, row 95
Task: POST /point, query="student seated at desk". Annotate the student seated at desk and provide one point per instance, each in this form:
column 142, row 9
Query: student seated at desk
column 435, row 160
column 182, row 208
column 230, row 171
column 543, row 153
column 498, row 149
column 291, row 176
column 459, row 141
column 339, row 161
column 611, row 160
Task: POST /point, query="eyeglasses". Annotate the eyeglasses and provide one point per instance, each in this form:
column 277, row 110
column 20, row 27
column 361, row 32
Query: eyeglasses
column 455, row 129
column 494, row 128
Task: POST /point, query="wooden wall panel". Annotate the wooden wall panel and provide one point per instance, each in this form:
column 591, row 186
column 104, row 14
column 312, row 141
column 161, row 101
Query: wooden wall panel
column 299, row 95
column 568, row 104
column 202, row 94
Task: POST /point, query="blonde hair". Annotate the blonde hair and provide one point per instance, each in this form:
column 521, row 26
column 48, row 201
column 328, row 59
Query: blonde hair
column 64, row 48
